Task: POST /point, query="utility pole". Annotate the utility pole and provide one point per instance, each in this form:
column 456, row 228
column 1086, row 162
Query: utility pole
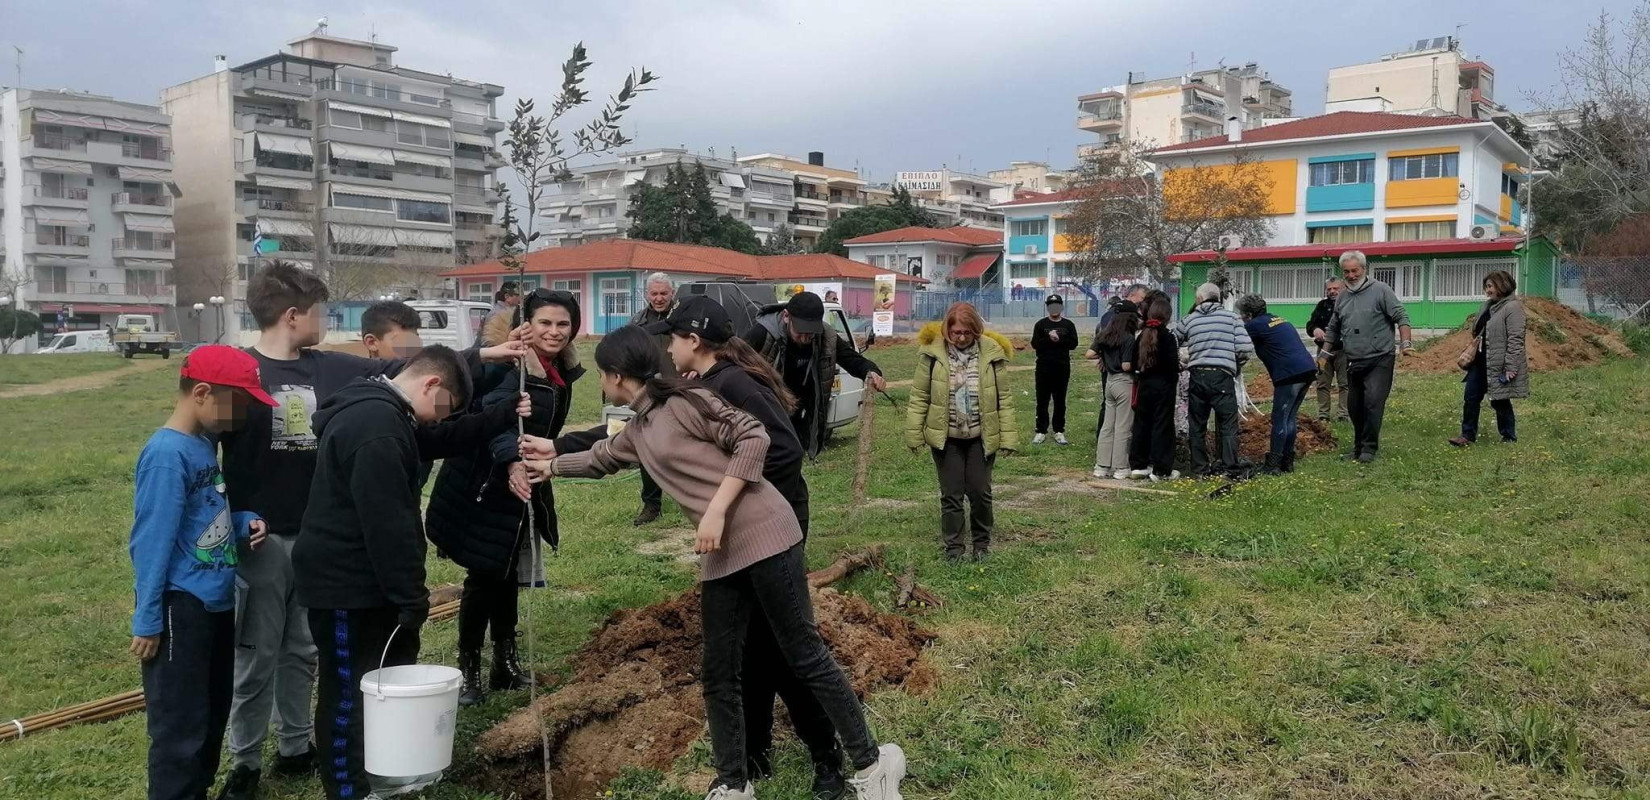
column 19, row 65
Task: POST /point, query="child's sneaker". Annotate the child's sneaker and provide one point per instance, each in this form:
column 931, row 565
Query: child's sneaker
column 1038, row 439
column 881, row 781
column 722, row 792
column 1060, row 439
column 1172, row 476
column 1102, row 473
column 1139, row 474
column 1121, row 475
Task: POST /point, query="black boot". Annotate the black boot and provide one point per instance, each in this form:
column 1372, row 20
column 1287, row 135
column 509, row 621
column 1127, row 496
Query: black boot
column 1288, row 462
column 1274, row 465
column 828, row 783
column 648, row 514
column 507, row 672
column 469, row 663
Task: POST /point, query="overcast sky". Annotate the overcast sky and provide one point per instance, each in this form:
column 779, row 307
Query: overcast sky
column 883, row 85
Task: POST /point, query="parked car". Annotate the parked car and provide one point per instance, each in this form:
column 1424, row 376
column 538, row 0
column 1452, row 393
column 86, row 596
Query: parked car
column 141, row 333
column 454, row 323
column 78, row 342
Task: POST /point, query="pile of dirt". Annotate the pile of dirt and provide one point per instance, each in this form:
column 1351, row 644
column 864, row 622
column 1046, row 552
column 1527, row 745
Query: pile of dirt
column 1556, row 337
column 1255, row 440
column 633, row 699
column 1260, row 387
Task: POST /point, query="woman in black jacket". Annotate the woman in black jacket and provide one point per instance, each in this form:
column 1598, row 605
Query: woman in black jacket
column 477, row 514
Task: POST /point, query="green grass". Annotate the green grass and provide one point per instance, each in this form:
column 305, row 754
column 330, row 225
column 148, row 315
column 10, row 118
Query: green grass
column 18, row 370
column 1444, row 623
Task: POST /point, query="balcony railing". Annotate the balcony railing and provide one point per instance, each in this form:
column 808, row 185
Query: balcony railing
column 366, row 90
column 279, row 122
column 473, row 198
column 284, row 162
column 62, row 239
column 1203, row 109
column 60, row 193
column 810, row 222
column 155, row 290
column 847, row 199
column 55, row 141
column 807, row 195
column 133, row 199
column 156, row 245
column 145, row 152
column 475, row 226
column 1096, row 117
column 473, row 119
column 265, row 204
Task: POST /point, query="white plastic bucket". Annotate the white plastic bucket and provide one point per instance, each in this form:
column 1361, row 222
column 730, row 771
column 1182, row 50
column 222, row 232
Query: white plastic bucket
column 409, row 719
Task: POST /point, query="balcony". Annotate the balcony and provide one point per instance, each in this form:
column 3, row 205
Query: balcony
column 145, row 152
column 53, row 243
column 846, row 200
column 284, row 209
column 59, row 143
column 104, row 292
column 807, row 222
column 60, row 196
column 293, row 248
column 769, row 199
column 278, row 167
column 278, row 123
column 141, row 203
column 475, row 232
column 476, row 198
column 488, row 124
column 1102, row 120
column 132, row 247
column 1198, row 108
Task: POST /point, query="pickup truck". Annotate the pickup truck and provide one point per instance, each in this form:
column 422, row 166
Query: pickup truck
column 846, row 393
column 140, row 333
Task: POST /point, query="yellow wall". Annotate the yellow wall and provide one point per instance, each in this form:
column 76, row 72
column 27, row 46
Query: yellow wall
column 1422, row 192
column 1506, row 208
column 1281, row 173
column 1063, row 243
column 1422, row 151
column 1423, row 218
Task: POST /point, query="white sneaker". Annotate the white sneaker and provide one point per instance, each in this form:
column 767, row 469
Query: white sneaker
column 724, row 793
column 1121, row 475
column 1038, row 439
column 1172, row 476
column 1060, row 439
column 881, row 781
column 1139, row 474
column 1102, row 473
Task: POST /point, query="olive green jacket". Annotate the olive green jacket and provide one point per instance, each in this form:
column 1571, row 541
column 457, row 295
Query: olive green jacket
column 927, row 416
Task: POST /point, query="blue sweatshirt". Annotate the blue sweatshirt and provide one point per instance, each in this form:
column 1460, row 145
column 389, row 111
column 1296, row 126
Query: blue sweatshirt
column 1280, row 348
column 184, row 537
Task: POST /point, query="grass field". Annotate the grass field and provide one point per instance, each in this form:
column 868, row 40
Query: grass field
column 32, row 369
column 1441, row 624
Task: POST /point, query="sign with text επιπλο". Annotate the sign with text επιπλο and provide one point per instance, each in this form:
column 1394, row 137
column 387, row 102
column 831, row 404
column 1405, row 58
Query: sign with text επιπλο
column 919, row 181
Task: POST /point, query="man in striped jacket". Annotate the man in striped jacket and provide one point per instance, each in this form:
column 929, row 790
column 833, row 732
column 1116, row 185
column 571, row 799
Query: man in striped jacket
column 1218, row 343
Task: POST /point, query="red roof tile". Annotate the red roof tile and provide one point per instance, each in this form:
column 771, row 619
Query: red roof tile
column 821, row 265
column 635, row 254
column 1505, row 244
column 1336, row 124
column 1056, row 197
column 974, row 266
column 959, row 234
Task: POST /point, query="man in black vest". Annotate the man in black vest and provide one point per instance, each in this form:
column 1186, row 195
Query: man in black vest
column 794, row 338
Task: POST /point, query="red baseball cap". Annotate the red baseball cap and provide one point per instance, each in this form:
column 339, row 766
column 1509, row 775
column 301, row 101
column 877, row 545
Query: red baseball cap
column 222, row 365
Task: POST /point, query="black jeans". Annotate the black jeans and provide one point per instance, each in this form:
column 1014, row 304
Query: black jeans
column 350, row 644
column 1369, row 381
column 489, row 601
column 188, row 686
column 965, row 472
column 775, row 588
column 1053, row 378
column 652, row 495
column 1212, row 389
column 1151, row 443
column 1477, row 387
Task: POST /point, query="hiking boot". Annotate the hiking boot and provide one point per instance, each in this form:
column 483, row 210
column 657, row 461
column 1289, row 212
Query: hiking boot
column 1460, row 441
column 1039, row 438
column 828, row 782
column 300, row 764
column 469, row 665
column 1060, row 439
column 646, row 515
column 507, row 672
column 881, row 781
column 1274, row 465
column 242, row 784
column 724, row 792
column 1288, row 462
column 1366, row 458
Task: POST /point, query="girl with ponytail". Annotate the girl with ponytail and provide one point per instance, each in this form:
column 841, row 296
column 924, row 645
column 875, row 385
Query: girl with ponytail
column 1151, row 442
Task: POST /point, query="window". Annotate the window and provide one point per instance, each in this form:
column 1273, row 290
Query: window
column 615, row 297
column 1335, row 173
column 1023, row 270
column 364, row 250
column 1464, row 280
column 570, row 286
column 1437, row 165
column 1403, row 276
column 361, row 201
column 422, row 211
column 1243, row 280
column 372, row 123
column 1509, row 185
column 424, row 135
column 1030, row 227
column 1416, row 231
column 1293, row 284
column 1341, row 234
column 343, row 119
column 480, row 292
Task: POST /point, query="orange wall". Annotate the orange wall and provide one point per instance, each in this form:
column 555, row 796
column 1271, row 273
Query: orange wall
column 1422, row 192
column 1506, row 208
column 1281, row 173
column 1063, row 243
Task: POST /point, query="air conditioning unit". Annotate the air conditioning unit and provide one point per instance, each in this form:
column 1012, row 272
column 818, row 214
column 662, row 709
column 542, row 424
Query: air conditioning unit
column 1230, row 241
column 1482, row 232
column 1031, row 250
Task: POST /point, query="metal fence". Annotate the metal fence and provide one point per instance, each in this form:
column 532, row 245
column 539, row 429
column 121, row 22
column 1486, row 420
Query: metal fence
column 1617, row 287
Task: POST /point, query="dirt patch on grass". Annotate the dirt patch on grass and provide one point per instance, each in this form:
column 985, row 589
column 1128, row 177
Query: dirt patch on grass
column 674, row 542
column 1260, row 387
column 1034, row 493
column 891, row 503
column 633, row 699
column 1557, row 337
column 95, row 380
column 1255, row 440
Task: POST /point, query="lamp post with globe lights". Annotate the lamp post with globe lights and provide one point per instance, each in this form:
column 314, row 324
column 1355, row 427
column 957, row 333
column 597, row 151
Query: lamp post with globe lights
column 217, row 301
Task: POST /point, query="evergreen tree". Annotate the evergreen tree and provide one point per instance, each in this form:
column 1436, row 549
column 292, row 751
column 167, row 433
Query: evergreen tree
column 683, row 211
column 900, row 212
column 782, row 242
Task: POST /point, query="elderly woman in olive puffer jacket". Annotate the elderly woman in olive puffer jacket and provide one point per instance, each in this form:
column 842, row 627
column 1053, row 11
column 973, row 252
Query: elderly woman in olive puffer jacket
column 1501, row 370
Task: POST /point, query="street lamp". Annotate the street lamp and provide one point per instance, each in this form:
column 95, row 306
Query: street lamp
column 217, row 301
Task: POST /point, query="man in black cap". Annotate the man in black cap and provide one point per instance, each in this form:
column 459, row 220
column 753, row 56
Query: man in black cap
column 794, row 338
column 1053, row 337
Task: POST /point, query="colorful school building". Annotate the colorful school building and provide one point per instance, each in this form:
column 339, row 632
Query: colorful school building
column 1439, row 281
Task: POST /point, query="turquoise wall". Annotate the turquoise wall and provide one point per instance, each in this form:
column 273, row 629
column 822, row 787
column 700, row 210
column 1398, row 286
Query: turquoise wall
column 1017, row 244
column 1341, row 197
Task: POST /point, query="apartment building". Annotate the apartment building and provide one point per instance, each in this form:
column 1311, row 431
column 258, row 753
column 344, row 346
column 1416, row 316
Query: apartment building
column 86, row 203
column 379, row 176
column 1183, row 108
column 822, row 193
column 1031, row 176
column 1431, row 77
column 957, row 198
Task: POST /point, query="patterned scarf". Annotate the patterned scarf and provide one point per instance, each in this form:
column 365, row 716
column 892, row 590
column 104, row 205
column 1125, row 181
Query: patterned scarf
column 963, row 416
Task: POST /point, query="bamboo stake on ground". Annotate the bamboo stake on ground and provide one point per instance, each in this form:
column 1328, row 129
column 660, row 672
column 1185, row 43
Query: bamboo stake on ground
column 867, row 437
column 845, row 565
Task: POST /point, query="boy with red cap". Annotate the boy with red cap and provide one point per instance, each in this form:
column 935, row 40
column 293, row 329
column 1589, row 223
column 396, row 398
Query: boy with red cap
column 185, row 544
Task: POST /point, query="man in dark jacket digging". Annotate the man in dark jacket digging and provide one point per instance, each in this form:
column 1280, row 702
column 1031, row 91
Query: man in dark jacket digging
column 794, row 338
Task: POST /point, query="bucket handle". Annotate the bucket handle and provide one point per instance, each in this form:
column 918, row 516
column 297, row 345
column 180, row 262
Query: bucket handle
column 378, row 688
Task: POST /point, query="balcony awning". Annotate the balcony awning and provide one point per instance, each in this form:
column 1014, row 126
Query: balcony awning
column 144, row 174
column 362, row 234
column 268, row 92
column 284, row 227
column 60, row 165
column 434, row 122
column 634, row 177
column 355, row 109
column 732, row 180
column 420, row 158
column 441, row 240
column 356, row 152
column 152, row 223
column 276, row 143
column 74, row 217
column 365, row 191
column 473, row 138
column 128, row 126
column 51, row 117
column 974, row 267
column 145, row 263
column 472, row 208
column 284, row 183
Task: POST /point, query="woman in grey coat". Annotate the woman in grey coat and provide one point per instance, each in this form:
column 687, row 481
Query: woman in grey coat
column 1501, row 370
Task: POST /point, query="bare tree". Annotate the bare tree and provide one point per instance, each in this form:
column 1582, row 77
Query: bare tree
column 1131, row 218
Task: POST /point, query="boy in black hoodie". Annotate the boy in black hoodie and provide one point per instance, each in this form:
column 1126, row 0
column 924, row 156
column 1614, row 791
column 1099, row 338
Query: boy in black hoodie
column 359, row 563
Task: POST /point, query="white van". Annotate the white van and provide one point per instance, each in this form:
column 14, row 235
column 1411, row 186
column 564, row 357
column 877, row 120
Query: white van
column 79, row 342
column 454, row 323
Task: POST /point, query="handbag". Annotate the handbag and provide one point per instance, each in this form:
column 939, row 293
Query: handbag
column 1469, row 355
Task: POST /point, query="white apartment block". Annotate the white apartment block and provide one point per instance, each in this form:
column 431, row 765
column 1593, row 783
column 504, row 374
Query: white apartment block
column 1184, row 108
column 957, row 198
column 86, row 201
column 1036, row 177
column 375, row 175
column 1432, row 77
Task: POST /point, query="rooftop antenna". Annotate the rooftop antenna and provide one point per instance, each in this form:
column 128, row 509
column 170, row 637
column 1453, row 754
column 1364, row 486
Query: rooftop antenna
column 19, row 65
column 1434, row 102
